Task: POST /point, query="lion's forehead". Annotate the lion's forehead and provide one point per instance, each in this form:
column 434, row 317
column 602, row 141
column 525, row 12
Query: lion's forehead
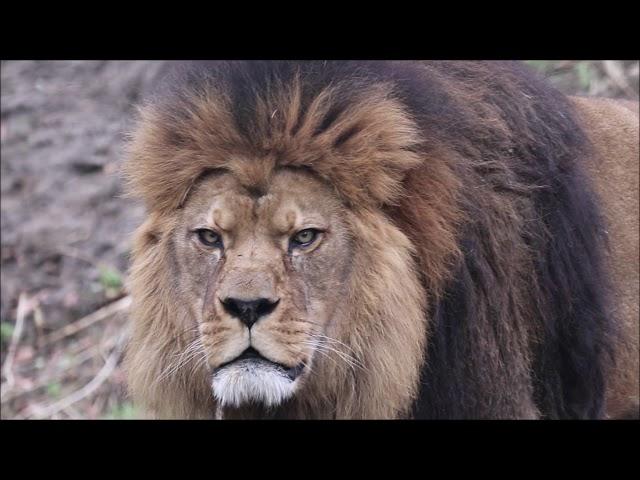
column 289, row 201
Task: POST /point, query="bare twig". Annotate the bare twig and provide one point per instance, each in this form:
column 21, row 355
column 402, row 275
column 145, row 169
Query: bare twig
column 101, row 314
column 89, row 388
column 78, row 358
column 7, row 370
column 38, row 320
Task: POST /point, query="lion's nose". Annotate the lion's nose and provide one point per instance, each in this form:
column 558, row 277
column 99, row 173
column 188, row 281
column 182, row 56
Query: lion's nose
column 249, row 311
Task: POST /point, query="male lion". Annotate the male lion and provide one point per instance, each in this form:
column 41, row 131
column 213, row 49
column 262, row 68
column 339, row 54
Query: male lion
column 383, row 240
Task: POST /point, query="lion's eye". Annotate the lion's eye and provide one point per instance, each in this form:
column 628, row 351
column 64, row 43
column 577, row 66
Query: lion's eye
column 209, row 237
column 304, row 237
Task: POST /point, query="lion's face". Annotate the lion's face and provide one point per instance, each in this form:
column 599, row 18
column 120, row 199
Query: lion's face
column 262, row 273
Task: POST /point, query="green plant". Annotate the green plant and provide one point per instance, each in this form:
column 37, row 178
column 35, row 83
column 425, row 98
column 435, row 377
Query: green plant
column 110, row 278
column 6, row 331
column 584, row 73
column 54, row 389
column 123, row 411
column 110, row 282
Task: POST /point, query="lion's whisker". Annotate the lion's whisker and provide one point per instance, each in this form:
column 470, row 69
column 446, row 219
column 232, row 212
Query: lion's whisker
column 325, row 349
column 192, row 350
column 351, row 357
column 322, row 352
column 334, row 340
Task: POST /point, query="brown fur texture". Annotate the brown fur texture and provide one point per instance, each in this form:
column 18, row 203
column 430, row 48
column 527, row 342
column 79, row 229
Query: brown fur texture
column 476, row 287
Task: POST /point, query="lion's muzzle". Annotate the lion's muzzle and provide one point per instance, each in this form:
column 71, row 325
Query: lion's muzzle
column 251, row 377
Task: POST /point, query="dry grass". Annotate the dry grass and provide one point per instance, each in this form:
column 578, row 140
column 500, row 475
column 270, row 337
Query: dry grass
column 72, row 372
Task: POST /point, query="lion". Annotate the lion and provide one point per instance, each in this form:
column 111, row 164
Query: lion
column 382, row 240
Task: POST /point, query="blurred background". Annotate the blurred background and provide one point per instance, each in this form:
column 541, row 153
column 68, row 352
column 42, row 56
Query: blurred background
column 66, row 227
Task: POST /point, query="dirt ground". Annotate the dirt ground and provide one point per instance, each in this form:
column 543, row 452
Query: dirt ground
column 66, row 226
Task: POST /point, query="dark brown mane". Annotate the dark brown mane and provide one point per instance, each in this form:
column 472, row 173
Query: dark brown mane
column 532, row 279
column 480, row 165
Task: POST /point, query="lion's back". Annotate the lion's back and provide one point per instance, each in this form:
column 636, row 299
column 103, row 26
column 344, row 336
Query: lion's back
column 612, row 126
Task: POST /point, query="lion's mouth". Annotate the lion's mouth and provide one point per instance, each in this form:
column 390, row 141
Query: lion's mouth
column 252, row 357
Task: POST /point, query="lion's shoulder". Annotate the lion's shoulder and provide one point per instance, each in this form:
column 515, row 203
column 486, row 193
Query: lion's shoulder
column 612, row 127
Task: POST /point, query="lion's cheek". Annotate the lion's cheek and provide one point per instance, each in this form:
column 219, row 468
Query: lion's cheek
column 285, row 342
column 223, row 340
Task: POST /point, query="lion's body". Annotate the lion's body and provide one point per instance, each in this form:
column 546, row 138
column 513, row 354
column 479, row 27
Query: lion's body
column 478, row 205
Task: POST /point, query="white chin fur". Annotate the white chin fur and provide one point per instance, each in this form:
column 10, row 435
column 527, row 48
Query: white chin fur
column 249, row 381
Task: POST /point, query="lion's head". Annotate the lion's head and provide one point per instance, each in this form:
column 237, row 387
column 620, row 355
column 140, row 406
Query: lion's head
column 268, row 274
